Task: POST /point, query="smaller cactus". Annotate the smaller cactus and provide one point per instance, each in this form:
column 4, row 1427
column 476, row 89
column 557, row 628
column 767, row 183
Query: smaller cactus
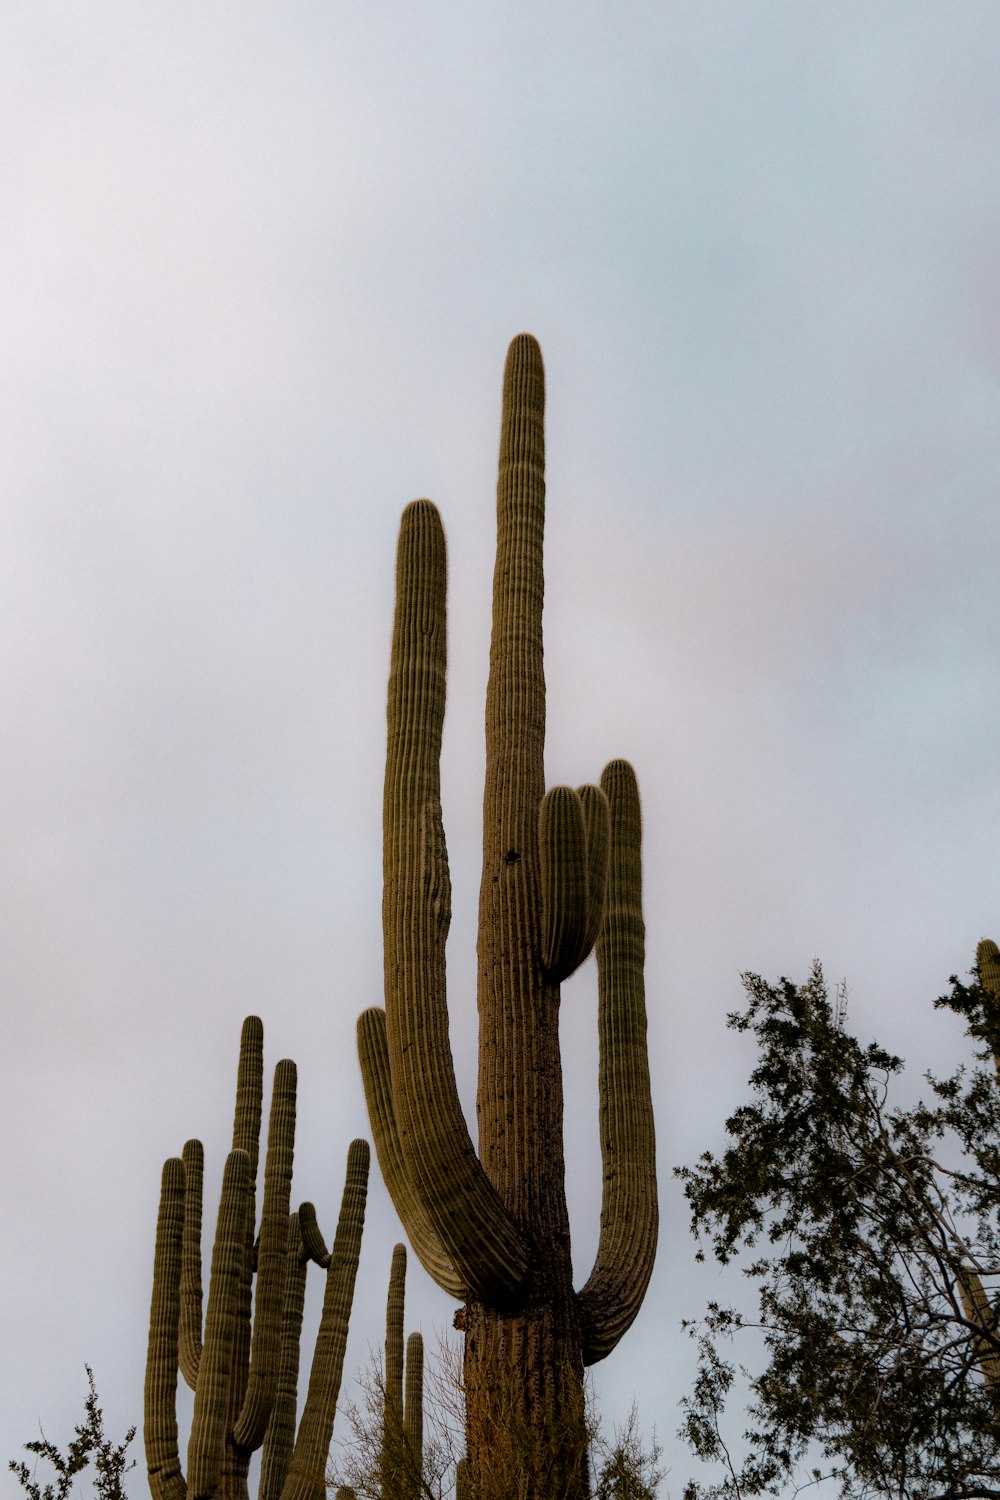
column 243, row 1369
column 401, row 1462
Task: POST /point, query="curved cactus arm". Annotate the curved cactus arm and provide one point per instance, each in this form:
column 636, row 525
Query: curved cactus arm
column 166, row 1482
column 413, row 1413
column 612, row 1296
column 280, row 1438
column 189, row 1350
column 272, row 1262
column 313, row 1245
column 373, row 1051
column 481, row 1239
column 306, row 1478
column 207, row 1444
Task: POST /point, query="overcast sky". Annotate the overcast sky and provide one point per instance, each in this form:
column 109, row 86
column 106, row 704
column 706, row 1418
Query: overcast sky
column 259, row 265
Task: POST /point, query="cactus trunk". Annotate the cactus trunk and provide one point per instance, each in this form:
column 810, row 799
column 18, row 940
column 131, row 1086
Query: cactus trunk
column 559, row 871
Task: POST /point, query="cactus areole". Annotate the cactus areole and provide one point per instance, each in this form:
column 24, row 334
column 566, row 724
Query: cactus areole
column 561, row 874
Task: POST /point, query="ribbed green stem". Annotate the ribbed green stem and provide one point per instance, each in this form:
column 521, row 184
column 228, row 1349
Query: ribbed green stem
column 166, row 1481
column 629, row 1218
column 279, row 1440
column 193, row 1157
column 413, row 1414
column 483, row 1244
column 307, row 1473
column 272, row 1261
column 246, row 1137
column 392, row 1407
column 207, row 1445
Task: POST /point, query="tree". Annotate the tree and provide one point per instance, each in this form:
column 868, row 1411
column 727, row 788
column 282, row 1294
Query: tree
column 561, row 873
column 89, row 1444
column 872, row 1237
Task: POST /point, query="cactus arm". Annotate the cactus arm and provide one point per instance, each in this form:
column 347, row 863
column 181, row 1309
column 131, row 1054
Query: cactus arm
column 208, row 1422
column 280, row 1438
column 166, row 1482
column 306, row 1478
column 413, row 1413
column 189, row 1349
column 249, row 1091
column 562, row 849
column 573, row 853
column 597, row 820
column 313, row 1246
column 392, row 1395
column 611, row 1298
column 373, row 1051
column 988, row 963
column 272, row 1262
column 481, row 1239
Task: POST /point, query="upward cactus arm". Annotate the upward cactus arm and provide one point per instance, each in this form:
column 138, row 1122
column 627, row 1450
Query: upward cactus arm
column 160, row 1406
column 280, row 1438
column 307, row 1472
column 193, row 1157
column 610, row 1300
column 208, row 1422
column 988, row 962
column 478, row 1234
column 272, row 1261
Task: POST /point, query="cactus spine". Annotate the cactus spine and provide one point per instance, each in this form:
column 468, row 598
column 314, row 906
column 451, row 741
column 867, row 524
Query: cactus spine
column 559, row 870
column 244, row 1370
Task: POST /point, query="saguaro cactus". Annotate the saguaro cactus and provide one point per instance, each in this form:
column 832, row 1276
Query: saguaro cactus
column 244, row 1371
column 559, row 871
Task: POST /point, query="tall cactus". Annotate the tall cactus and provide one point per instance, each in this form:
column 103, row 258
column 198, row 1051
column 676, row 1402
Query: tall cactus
column 243, row 1372
column 559, row 871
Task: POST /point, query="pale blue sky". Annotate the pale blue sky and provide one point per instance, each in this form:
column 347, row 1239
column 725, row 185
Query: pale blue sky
column 259, row 265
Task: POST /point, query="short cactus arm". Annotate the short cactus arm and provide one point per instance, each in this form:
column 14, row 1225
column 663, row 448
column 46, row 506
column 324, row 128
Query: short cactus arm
column 166, row 1482
column 189, row 1353
column 479, row 1235
column 373, row 1051
column 573, row 852
column 610, row 1300
column 272, row 1262
column 307, row 1473
column 313, row 1246
column 208, row 1422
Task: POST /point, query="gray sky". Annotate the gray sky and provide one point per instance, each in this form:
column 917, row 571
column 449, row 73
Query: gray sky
column 259, row 265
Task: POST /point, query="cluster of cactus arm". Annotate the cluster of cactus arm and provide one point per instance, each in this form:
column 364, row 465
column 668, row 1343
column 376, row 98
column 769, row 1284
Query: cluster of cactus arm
column 243, row 1363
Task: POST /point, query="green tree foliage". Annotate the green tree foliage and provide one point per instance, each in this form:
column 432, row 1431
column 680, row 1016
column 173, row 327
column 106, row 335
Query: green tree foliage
column 89, row 1445
column 871, row 1235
